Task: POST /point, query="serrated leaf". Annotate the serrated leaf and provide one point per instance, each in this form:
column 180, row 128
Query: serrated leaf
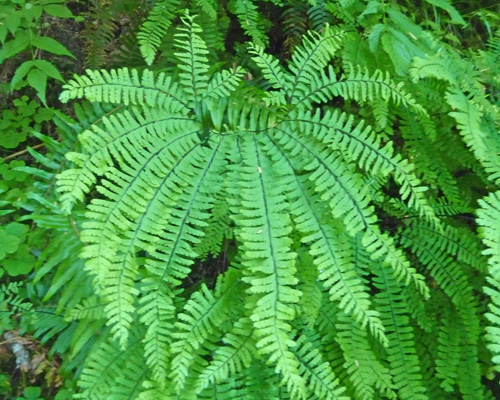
column 14, row 46
column 13, row 21
column 20, row 73
column 49, row 68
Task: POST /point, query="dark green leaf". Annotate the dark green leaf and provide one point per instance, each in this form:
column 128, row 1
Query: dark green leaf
column 38, row 80
column 51, row 45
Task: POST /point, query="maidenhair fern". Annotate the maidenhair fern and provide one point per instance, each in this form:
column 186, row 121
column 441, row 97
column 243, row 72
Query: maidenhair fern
column 331, row 243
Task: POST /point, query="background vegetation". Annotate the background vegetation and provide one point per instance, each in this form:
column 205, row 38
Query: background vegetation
column 393, row 288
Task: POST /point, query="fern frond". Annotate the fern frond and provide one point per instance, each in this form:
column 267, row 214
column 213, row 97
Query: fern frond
column 435, row 66
column 355, row 360
column 401, row 352
column 193, row 59
column 310, row 58
column 312, row 292
column 215, row 29
column 9, row 296
column 483, row 142
column 234, row 356
column 155, row 27
column 430, row 157
column 102, row 145
column 209, row 7
column 250, row 20
column 449, row 241
column 347, row 195
column 469, row 368
column 261, row 382
column 448, row 352
column 129, row 384
column 358, row 85
column 90, row 308
column 169, row 259
column 263, row 228
column 318, row 15
column 269, row 66
column 223, row 83
column 157, row 314
column 204, row 313
column 318, row 373
column 294, row 25
column 361, row 145
column 218, row 231
column 124, row 86
column 489, row 219
column 104, row 366
column 365, row 371
column 447, row 273
column 328, row 247
column 453, row 280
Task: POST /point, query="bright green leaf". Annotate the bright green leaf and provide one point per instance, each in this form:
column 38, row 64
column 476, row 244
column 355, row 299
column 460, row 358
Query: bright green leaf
column 58, row 10
column 10, row 244
column 13, row 21
column 32, row 393
column 17, row 229
column 20, row 264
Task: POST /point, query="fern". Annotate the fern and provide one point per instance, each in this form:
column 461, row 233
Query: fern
column 323, row 225
column 488, row 216
column 155, row 27
column 250, row 20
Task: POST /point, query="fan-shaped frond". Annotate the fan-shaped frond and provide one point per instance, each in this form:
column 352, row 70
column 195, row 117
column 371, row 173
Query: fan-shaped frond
column 332, row 241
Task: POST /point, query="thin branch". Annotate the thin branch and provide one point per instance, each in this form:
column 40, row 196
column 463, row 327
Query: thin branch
column 19, row 153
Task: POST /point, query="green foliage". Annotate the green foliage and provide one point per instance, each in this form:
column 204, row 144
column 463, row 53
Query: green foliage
column 21, row 30
column 290, row 218
column 293, row 184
